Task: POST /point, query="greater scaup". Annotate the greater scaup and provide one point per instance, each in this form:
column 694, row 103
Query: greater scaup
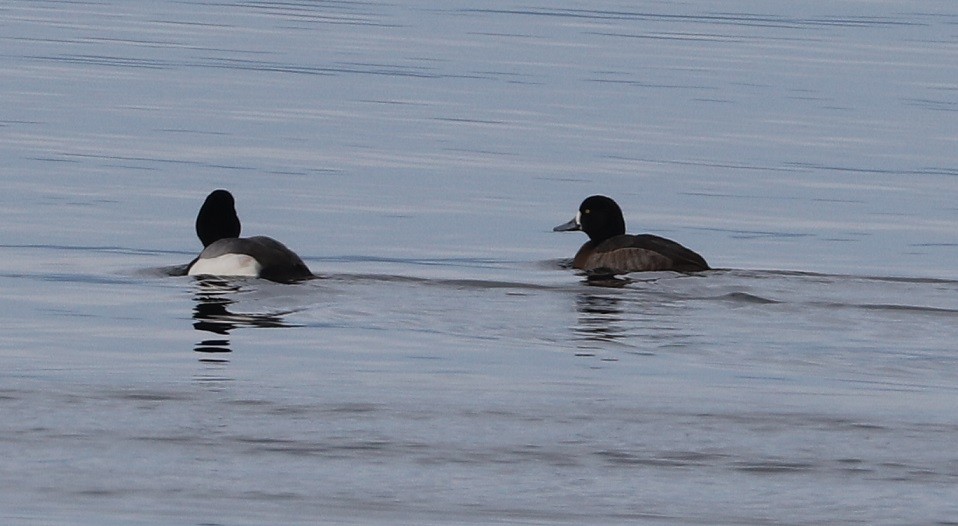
column 610, row 251
column 227, row 254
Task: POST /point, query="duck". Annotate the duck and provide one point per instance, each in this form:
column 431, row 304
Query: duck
column 610, row 251
column 225, row 253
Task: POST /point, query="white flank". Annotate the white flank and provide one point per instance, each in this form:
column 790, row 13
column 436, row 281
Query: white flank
column 226, row 265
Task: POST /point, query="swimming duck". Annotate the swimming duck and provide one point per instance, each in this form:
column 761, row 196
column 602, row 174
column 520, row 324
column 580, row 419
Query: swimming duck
column 610, row 251
column 227, row 254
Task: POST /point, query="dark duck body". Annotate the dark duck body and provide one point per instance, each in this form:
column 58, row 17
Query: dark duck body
column 610, row 251
column 227, row 254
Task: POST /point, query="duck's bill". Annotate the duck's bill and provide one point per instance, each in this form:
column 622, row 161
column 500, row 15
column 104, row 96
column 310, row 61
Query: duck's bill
column 568, row 227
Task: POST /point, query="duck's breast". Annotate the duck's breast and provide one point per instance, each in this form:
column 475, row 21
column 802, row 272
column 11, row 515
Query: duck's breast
column 232, row 256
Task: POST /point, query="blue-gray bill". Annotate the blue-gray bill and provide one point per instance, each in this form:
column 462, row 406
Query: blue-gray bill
column 568, row 227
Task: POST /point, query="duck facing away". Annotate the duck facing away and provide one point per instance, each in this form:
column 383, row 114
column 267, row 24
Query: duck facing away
column 610, row 251
column 227, row 254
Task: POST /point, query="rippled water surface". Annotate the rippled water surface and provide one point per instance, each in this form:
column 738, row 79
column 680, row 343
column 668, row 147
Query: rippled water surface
column 447, row 367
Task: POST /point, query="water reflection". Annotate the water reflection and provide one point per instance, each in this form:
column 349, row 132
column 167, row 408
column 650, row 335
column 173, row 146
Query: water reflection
column 638, row 316
column 605, row 280
column 599, row 321
column 213, row 315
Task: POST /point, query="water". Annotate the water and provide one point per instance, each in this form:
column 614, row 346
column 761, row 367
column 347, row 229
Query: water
column 447, row 369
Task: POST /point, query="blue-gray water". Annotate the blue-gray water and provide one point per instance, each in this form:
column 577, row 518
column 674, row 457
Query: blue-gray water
column 447, row 369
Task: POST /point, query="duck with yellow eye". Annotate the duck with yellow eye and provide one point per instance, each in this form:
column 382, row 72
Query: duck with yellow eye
column 610, row 251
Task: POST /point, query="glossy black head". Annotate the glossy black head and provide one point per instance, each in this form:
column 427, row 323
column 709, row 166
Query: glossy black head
column 599, row 217
column 217, row 218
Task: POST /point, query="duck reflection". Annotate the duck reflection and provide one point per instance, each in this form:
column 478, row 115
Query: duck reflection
column 212, row 314
column 600, row 318
column 604, row 280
